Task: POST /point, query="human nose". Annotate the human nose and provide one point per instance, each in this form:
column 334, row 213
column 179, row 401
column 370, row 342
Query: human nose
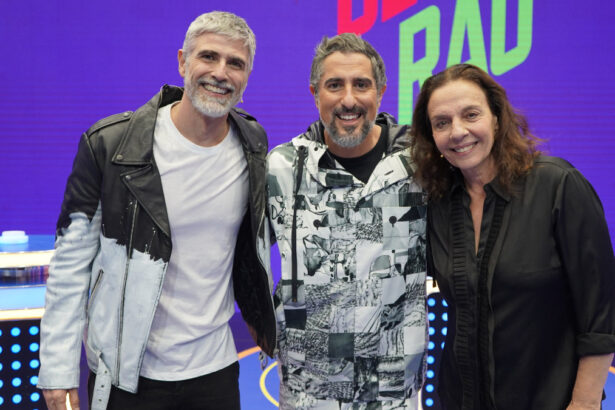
column 458, row 130
column 348, row 98
column 218, row 71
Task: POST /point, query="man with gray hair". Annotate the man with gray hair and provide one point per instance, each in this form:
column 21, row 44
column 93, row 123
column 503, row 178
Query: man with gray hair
column 157, row 237
column 350, row 225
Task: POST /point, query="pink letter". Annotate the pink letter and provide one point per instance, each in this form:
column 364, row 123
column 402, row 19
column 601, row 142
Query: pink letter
column 391, row 8
column 361, row 24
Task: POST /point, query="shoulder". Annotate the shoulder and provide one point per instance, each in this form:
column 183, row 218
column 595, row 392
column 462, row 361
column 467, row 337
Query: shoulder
column 243, row 119
column 282, row 154
column 249, row 128
column 546, row 163
column 108, row 131
column 244, row 114
column 553, row 169
column 558, row 176
column 117, row 120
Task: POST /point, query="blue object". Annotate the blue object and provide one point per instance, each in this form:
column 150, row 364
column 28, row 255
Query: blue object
column 22, row 297
column 13, row 238
column 34, row 243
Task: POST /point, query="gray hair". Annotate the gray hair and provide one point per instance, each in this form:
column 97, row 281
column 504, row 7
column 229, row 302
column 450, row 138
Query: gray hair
column 223, row 23
column 346, row 43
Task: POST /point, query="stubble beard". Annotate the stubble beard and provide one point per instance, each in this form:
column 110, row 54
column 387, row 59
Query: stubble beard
column 351, row 136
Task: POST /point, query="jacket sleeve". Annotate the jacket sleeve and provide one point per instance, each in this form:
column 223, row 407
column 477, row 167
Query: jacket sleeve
column 278, row 188
column 587, row 254
column 77, row 243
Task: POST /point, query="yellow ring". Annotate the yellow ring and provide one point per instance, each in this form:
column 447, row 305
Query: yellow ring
column 264, row 388
column 248, row 352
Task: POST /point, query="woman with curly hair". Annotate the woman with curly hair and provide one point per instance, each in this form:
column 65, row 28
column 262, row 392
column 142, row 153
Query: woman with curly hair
column 520, row 249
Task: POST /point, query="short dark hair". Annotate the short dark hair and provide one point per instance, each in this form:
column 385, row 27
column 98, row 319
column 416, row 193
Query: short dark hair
column 346, row 43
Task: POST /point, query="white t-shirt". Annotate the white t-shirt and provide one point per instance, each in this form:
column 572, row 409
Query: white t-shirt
column 206, row 193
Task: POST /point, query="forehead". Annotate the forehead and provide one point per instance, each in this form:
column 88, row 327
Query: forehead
column 346, row 66
column 221, row 44
column 456, row 95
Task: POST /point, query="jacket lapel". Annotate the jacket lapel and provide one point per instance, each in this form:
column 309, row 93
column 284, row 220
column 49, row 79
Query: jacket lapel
column 135, row 155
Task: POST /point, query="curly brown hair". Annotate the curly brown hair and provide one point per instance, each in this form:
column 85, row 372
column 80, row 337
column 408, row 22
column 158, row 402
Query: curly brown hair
column 514, row 148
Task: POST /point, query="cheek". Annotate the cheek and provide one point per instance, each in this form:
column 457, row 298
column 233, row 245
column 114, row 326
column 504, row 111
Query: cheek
column 372, row 104
column 240, row 81
column 324, row 107
column 325, row 115
column 441, row 142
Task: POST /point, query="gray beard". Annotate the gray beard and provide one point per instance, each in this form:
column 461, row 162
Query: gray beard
column 209, row 106
column 348, row 139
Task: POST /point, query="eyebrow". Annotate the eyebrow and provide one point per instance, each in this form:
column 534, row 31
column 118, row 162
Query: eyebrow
column 464, row 109
column 232, row 58
column 438, row 117
column 337, row 79
column 472, row 107
column 206, row 51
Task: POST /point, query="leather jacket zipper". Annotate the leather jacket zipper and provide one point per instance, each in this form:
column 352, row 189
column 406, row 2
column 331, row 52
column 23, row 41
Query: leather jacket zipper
column 121, row 313
column 94, row 289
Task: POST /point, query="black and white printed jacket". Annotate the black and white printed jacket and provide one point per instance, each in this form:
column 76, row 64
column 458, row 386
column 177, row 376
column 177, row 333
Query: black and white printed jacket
column 350, row 304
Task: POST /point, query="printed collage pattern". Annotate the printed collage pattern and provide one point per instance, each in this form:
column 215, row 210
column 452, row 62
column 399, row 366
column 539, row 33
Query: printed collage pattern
column 356, row 336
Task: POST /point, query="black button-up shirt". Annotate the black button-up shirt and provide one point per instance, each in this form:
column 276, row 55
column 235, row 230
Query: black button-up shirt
column 548, row 289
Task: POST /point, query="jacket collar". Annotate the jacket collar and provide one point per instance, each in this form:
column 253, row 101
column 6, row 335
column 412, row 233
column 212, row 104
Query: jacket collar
column 254, row 145
column 394, row 167
column 136, row 145
column 135, row 152
column 398, row 134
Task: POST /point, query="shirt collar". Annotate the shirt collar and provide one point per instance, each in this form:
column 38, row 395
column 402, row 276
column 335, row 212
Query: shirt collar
column 492, row 187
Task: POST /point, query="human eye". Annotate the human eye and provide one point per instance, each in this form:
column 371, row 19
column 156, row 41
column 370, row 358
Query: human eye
column 333, row 85
column 363, row 84
column 472, row 115
column 237, row 63
column 439, row 124
column 207, row 56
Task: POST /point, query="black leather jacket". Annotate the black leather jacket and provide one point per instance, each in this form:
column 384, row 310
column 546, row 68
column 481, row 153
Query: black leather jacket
column 114, row 197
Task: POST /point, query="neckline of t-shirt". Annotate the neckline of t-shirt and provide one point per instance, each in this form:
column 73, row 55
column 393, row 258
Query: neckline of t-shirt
column 186, row 143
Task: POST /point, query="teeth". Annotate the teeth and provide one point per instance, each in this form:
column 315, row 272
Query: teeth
column 348, row 116
column 464, row 149
column 215, row 89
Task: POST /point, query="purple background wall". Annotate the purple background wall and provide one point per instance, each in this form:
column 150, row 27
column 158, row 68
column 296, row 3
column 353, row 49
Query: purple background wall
column 65, row 64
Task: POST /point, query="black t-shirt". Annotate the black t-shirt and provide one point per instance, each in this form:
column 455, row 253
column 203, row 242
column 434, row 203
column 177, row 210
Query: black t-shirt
column 363, row 166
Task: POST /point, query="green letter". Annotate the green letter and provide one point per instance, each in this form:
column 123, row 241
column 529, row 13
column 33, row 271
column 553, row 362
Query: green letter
column 467, row 15
column 501, row 60
column 411, row 71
